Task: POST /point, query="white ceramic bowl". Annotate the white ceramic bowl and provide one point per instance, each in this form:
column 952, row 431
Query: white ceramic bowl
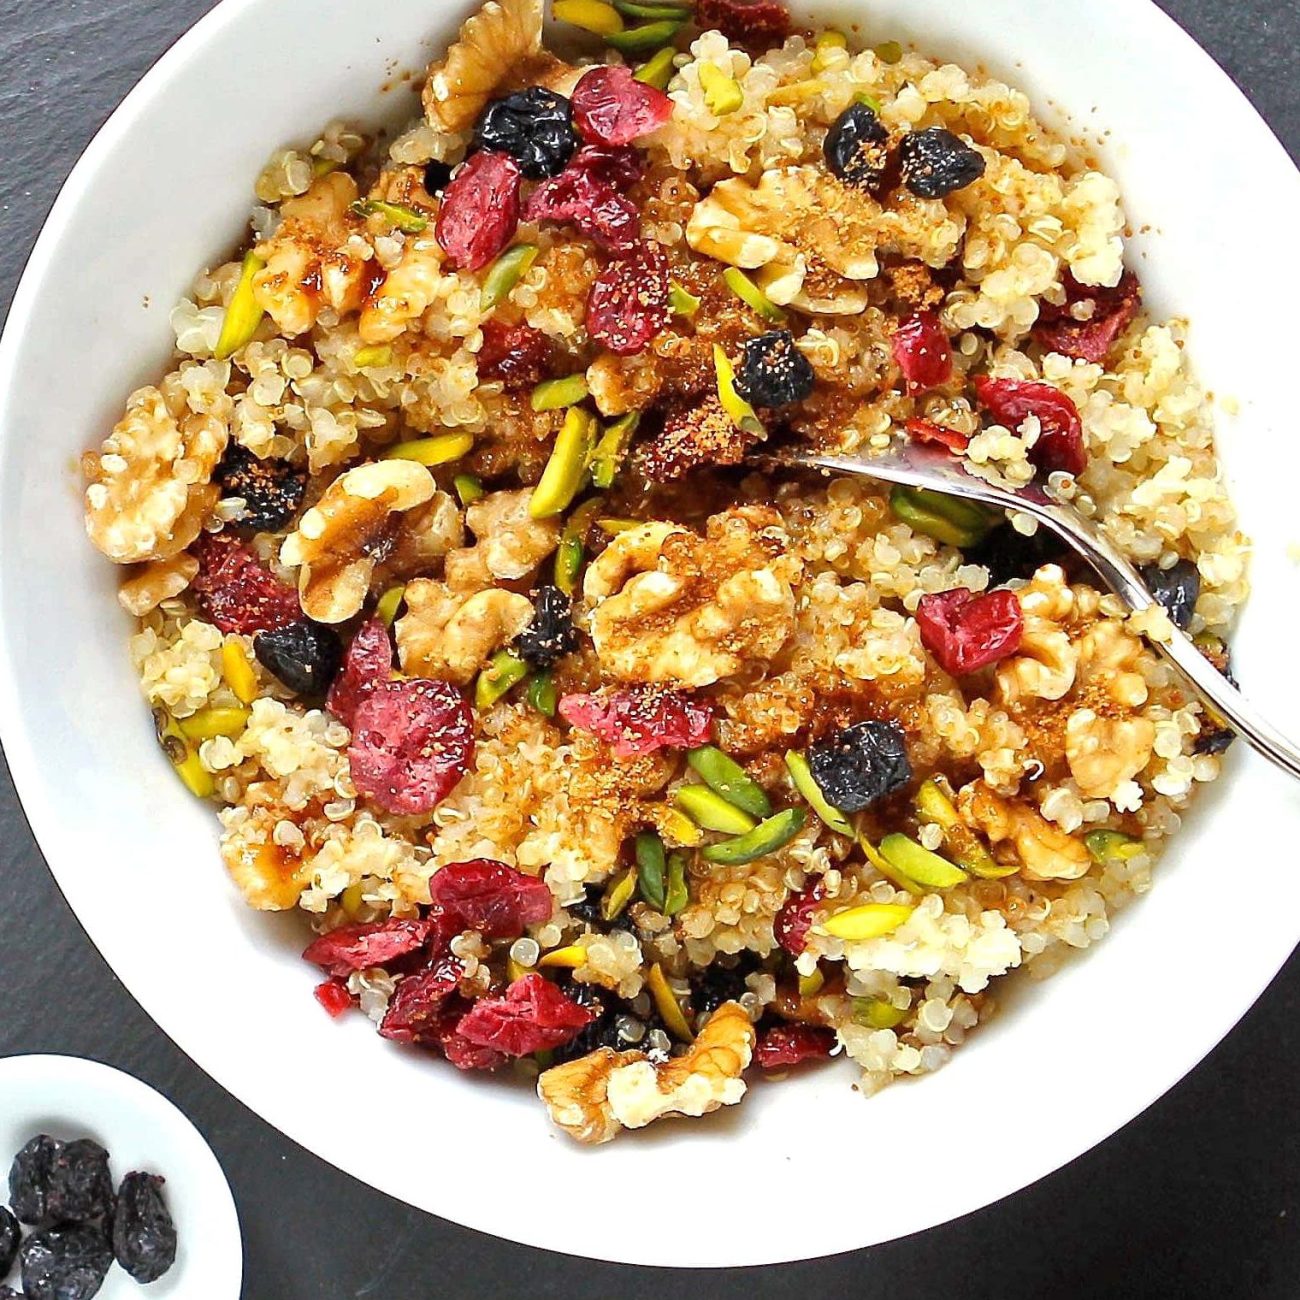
column 165, row 189
column 69, row 1098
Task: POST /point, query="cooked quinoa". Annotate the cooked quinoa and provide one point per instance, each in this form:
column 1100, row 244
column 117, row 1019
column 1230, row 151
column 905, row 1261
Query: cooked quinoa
column 493, row 676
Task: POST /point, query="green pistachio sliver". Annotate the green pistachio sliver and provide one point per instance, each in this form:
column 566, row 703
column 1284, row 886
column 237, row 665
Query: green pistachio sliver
column 917, row 863
column 505, row 670
column 709, row 809
column 673, row 12
column 389, row 603
column 542, row 694
column 942, row 517
column 889, row 52
column 611, row 527
column 505, row 273
column 590, row 15
column 765, row 838
column 877, row 1013
column 658, row 69
column 804, row 781
column 680, row 302
column 887, row 869
column 567, row 467
column 677, row 895
column 556, row 394
column 207, row 724
column 469, row 488
column 183, row 756
column 441, row 449
column 640, row 40
column 869, row 100
column 752, row 296
column 933, row 805
column 651, row 867
column 723, row 94
column 868, row 921
column 244, row 314
column 618, row 895
column 723, row 775
column 379, row 355
column 572, row 549
column 611, row 450
column 742, row 415
column 1105, row 845
column 398, row 215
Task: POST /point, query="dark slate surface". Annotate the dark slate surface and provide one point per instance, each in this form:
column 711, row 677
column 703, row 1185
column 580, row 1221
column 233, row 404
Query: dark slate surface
column 1197, row 1197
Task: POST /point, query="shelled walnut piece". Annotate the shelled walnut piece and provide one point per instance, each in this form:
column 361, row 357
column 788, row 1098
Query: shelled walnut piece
column 597, row 1096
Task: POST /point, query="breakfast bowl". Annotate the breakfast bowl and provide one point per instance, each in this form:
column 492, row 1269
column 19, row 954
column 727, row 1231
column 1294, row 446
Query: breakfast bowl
column 164, row 190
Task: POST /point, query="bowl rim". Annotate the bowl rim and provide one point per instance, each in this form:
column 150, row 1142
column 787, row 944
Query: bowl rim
column 1145, row 20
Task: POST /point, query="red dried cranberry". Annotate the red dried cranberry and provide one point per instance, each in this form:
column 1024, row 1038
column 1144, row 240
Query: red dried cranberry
column 966, row 632
column 791, row 924
column 368, row 943
column 640, row 720
column 928, row 431
column 782, row 1045
column 369, row 662
column 590, row 194
column 333, row 995
column 1092, row 318
column 749, row 22
column 463, row 1054
column 411, row 742
column 628, row 303
column 491, row 897
column 518, row 355
column 479, row 211
column 922, row 351
column 610, row 106
column 414, row 1010
column 237, row 592
column 1060, row 444
column 533, row 1015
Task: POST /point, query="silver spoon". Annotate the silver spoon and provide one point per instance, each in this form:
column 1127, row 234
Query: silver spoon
column 917, row 465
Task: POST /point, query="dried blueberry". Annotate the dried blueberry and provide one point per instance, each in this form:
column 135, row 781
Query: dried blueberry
column 857, row 149
column 65, row 1263
column 1176, row 588
column 551, row 635
column 305, row 656
column 29, row 1179
column 860, row 764
column 144, row 1236
column 534, row 126
column 1216, row 740
column 1009, row 555
column 773, row 372
column 10, row 1235
column 436, row 176
column 80, row 1186
column 717, row 984
column 935, row 163
column 271, row 489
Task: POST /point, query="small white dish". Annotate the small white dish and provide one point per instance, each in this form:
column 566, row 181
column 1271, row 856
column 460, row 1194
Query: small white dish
column 69, row 1098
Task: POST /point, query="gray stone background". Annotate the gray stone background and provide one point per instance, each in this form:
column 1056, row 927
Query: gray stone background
column 1197, row 1197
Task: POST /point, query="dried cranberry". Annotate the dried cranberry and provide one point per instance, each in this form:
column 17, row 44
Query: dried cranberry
column 1091, row 319
column 412, row 741
column 610, row 106
column 333, row 995
column 781, row 1045
column 415, row 1010
column 966, row 632
column 480, row 210
column 927, row 431
column 369, row 662
column 590, row 194
column 640, row 720
column 518, row 355
column 463, row 1054
column 491, row 897
column 791, row 924
column 237, row 592
column 922, row 352
column 1060, row 445
column 368, row 943
column 750, row 22
column 628, row 303
column 533, row 1015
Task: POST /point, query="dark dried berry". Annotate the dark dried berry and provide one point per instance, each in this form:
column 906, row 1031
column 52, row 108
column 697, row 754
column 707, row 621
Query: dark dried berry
column 611, row 106
column 369, row 943
column 1216, row 740
column 1090, row 320
column 480, row 210
column 780, row 1045
column 792, row 923
column 415, row 1011
column 29, row 1179
column 271, row 489
column 756, row 23
column 773, row 372
column 935, row 163
column 80, row 1186
column 333, row 995
column 305, row 656
column 443, row 1034
column 436, row 176
column 533, row 126
column 627, row 304
column 65, row 1263
column 860, row 764
column 236, row 591
column 717, row 984
column 518, row 355
column 532, row 1016
column 857, row 149
column 495, row 899
column 10, row 1235
column 591, row 195
column 938, row 435
column 641, row 720
column 966, row 632
column 144, row 1236
column 369, row 661
column 1177, row 588
column 923, row 352
column 1060, row 444
column 1010, row 556
column 551, row 635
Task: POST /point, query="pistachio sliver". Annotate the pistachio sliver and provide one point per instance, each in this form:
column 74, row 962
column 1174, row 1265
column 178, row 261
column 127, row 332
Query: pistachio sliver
column 726, row 777
column 887, row 869
column 765, row 838
column 869, row 100
column 568, row 958
column 918, row 863
column 590, row 15
column 441, row 449
column 611, row 450
column 670, row 1010
column 469, row 488
column 505, row 273
column 542, row 694
column 943, row 518
column 398, row 215
column 801, row 774
column 739, row 411
column 752, row 296
column 389, row 603
column 680, row 302
column 573, row 545
column 673, row 12
column 567, row 467
column 238, row 671
column 611, row 527
column 183, row 756
column 811, row 985
column 379, row 355
column 877, row 1013
column 933, row 805
column 829, row 40
column 677, row 828
column 505, row 670
column 657, row 70
column 555, row 394
column 207, row 724
column 244, row 314
column 618, row 895
column 1106, row 845
column 867, row 921
column 651, row 866
column 677, row 894
column 723, row 94
column 640, row 40
column 890, row 52
column 709, row 809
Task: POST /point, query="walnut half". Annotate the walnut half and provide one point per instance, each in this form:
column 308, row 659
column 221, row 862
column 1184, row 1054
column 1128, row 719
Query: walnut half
column 595, row 1097
column 1045, row 851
